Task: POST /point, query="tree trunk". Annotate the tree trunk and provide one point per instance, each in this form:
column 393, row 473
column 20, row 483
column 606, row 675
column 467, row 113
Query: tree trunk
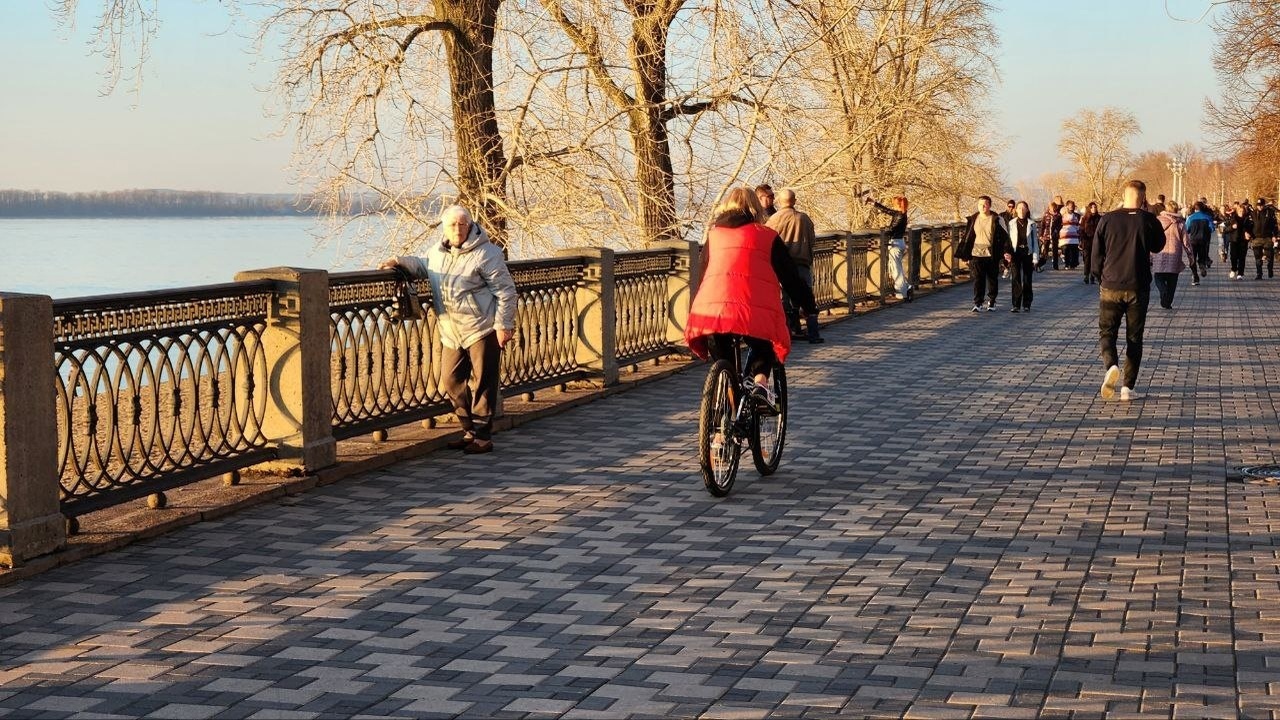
column 481, row 160
column 649, row 138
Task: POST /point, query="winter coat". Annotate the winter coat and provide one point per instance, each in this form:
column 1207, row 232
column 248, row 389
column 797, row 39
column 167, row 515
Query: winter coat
column 740, row 293
column 796, row 230
column 471, row 288
column 1070, row 232
column 1176, row 249
column 1031, row 242
column 1199, row 227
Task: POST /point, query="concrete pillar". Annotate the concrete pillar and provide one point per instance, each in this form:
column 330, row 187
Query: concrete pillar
column 682, row 286
column 597, row 314
column 842, row 272
column 299, row 416
column 31, row 523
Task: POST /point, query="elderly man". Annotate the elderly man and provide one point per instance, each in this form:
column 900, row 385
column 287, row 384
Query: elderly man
column 796, row 230
column 475, row 301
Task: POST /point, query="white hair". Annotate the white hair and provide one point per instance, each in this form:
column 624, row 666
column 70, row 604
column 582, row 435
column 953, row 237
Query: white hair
column 453, row 211
column 787, row 197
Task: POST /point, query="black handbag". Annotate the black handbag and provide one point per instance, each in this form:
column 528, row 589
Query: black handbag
column 405, row 305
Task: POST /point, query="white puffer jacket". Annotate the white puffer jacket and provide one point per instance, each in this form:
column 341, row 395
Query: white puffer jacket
column 471, row 288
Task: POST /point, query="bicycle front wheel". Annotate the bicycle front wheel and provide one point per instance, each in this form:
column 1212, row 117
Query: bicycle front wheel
column 718, row 449
column 769, row 427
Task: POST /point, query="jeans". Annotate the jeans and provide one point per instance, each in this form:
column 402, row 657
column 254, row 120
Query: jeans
column 986, row 278
column 1267, row 250
column 897, row 248
column 793, row 311
column 1022, row 269
column 1132, row 306
column 470, row 381
column 1201, row 253
column 1166, row 284
column 1238, row 252
column 1071, row 256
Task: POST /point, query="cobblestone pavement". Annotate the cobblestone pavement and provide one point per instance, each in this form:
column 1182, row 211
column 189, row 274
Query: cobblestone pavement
column 961, row 528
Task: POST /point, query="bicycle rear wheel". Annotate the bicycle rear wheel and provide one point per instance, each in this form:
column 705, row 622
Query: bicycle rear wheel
column 718, row 449
column 769, row 427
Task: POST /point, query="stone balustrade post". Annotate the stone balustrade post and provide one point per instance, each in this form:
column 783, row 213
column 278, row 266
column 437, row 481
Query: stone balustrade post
column 299, row 417
column 682, row 285
column 842, row 271
column 597, row 314
column 31, row 523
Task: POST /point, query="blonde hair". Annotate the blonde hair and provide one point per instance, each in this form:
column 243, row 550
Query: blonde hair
column 740, row 200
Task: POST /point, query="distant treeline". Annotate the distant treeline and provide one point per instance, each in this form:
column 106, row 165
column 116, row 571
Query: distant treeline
column 154, row 203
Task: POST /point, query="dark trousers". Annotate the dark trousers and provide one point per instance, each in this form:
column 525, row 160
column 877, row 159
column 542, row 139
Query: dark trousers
column 760, row 355
column 1022, row 270
column 1072, row 256
column 1259, row 251
column 1086, row 259
column 986, row 278
column 1132, row 306
column 792, row 310
column 470, row 381
column 1238, row 251
column 1166, row 284
column 1201, row 253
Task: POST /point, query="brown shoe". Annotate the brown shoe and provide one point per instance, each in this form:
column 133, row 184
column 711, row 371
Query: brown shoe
column 461, row 443
column 478, row 447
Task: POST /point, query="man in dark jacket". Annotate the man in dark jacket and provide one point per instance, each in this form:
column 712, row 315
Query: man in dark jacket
column 986, row 241
column 1264, row 237
column 1122, row 251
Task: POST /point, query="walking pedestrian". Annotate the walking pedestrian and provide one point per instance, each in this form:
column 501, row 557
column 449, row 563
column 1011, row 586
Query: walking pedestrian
column 986, row 240
column 1122, row 251
column 1236, row 228
column 1050, row 227
column 1025, row 254
column 897, row 244
column 1264, row 234
column 1173, row 257
column 796, row 230
column 1199, row 227
column 475, row 304
column 1010, row 212
column 1069, row 236
column 1088, row 227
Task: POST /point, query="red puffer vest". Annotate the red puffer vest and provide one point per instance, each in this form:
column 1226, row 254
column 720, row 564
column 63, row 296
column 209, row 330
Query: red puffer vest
column 739, row 293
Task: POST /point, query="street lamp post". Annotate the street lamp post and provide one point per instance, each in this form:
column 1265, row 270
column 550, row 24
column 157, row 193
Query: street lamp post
column 1179, row 169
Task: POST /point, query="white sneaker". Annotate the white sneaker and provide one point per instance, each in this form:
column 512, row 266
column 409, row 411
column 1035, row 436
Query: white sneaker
column 977, row 308
column 1231, row 275
column 1126, row 394
column 1109, row 382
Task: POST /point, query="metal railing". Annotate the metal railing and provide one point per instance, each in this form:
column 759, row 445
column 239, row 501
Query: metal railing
column 155, row 390
column 158, row 389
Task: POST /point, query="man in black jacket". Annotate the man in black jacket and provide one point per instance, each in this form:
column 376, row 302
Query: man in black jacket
column 1264, row 237
column 986, row 241
column 1122, row 250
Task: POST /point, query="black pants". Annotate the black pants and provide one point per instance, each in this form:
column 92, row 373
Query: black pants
column 1022, row 270
column 1071, row 255
column 760, row 355
column 1265, row 250
column 986, row 279
column 470, row 381
column 1086, row 259
column 1054, row 249
column 1201, row 253
column 1166, row 284
column 1238, row 251
column 1132, row 306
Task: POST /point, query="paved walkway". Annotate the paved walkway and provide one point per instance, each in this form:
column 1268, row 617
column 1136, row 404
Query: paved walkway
column 960, row 528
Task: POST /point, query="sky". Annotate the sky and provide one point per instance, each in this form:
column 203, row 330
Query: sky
column 203, row 118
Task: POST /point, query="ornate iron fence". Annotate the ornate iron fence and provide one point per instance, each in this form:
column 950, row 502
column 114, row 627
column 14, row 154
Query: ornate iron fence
column 386, row 373
column 825, row 248
column 640, row 298
column 155, row 390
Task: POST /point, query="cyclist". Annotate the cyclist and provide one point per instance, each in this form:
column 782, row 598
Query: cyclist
column 746, row 268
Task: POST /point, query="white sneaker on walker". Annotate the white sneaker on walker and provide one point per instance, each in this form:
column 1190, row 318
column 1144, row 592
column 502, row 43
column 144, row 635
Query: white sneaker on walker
column 1126, row 394
column 1109, row 382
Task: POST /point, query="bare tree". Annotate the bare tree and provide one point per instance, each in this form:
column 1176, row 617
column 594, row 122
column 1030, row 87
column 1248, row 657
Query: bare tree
column 1097, row 142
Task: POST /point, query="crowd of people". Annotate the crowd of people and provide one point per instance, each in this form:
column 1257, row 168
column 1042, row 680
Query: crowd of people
column 758, row 279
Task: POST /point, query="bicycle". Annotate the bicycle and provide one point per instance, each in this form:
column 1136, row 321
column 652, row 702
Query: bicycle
column 733, row 415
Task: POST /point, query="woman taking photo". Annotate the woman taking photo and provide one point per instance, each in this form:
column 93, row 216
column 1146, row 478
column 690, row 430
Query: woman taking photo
column 897, row 244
